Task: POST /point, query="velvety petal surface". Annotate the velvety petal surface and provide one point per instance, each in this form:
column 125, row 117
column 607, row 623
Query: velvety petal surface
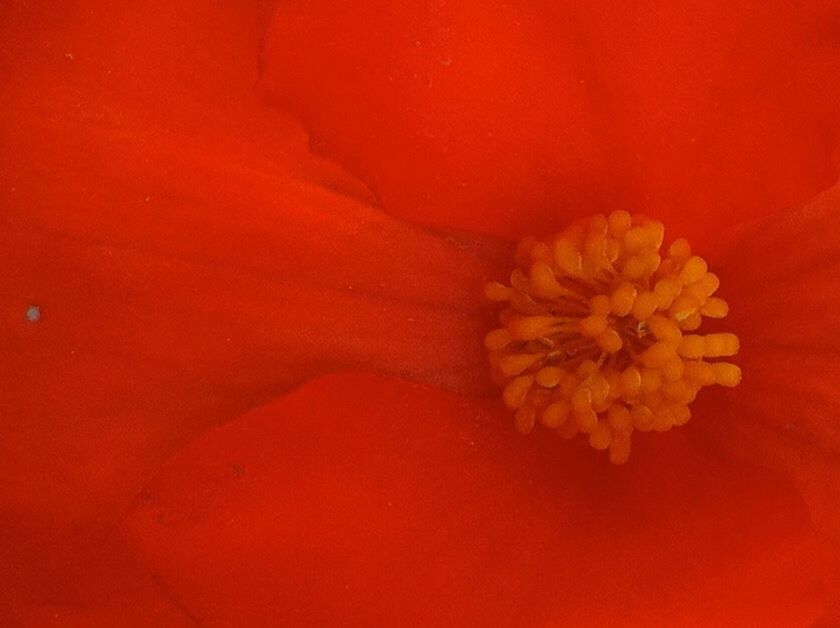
column 510, row 117
column 86, row 579
column 783, row 282
column 171, row 256
column 369, row 501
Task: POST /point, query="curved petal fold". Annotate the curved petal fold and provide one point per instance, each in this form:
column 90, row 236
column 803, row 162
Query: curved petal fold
column 360, row 499
column 173, row 255
column 513, row 117
column 174, row 233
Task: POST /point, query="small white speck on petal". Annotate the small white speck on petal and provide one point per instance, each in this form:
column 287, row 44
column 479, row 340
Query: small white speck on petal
column 33, row 313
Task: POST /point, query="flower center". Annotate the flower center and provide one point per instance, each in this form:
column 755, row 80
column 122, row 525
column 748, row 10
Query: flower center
column 595, row 336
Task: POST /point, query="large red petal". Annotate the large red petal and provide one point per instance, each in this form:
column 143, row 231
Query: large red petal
column 366, row 501
column 125, row 140
column 783, row 282
column 510, row 117
column 161, row 245
column 189, row 257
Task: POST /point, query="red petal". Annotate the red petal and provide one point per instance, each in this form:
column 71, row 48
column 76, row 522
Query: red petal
column 509, row 118
column 166, row 245
column 189, row 257
column 783, row 282
column 154, row 159
column 83, row 578
column 360, row 500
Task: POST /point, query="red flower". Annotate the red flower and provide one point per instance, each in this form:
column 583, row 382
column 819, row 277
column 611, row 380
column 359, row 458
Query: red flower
column 174, row 256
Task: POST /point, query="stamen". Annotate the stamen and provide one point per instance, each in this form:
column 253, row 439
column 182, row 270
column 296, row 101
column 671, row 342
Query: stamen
column 597, row 336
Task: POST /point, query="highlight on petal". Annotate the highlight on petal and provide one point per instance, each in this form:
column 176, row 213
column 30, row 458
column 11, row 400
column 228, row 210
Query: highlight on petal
column 364, row 500
column 513, row 117
column 783, row 279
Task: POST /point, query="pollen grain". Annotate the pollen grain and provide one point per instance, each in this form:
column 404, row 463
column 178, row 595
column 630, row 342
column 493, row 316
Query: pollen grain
column 598, row 332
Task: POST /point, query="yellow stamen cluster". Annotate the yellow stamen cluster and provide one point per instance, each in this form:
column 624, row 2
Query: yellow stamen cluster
column 597, row 333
